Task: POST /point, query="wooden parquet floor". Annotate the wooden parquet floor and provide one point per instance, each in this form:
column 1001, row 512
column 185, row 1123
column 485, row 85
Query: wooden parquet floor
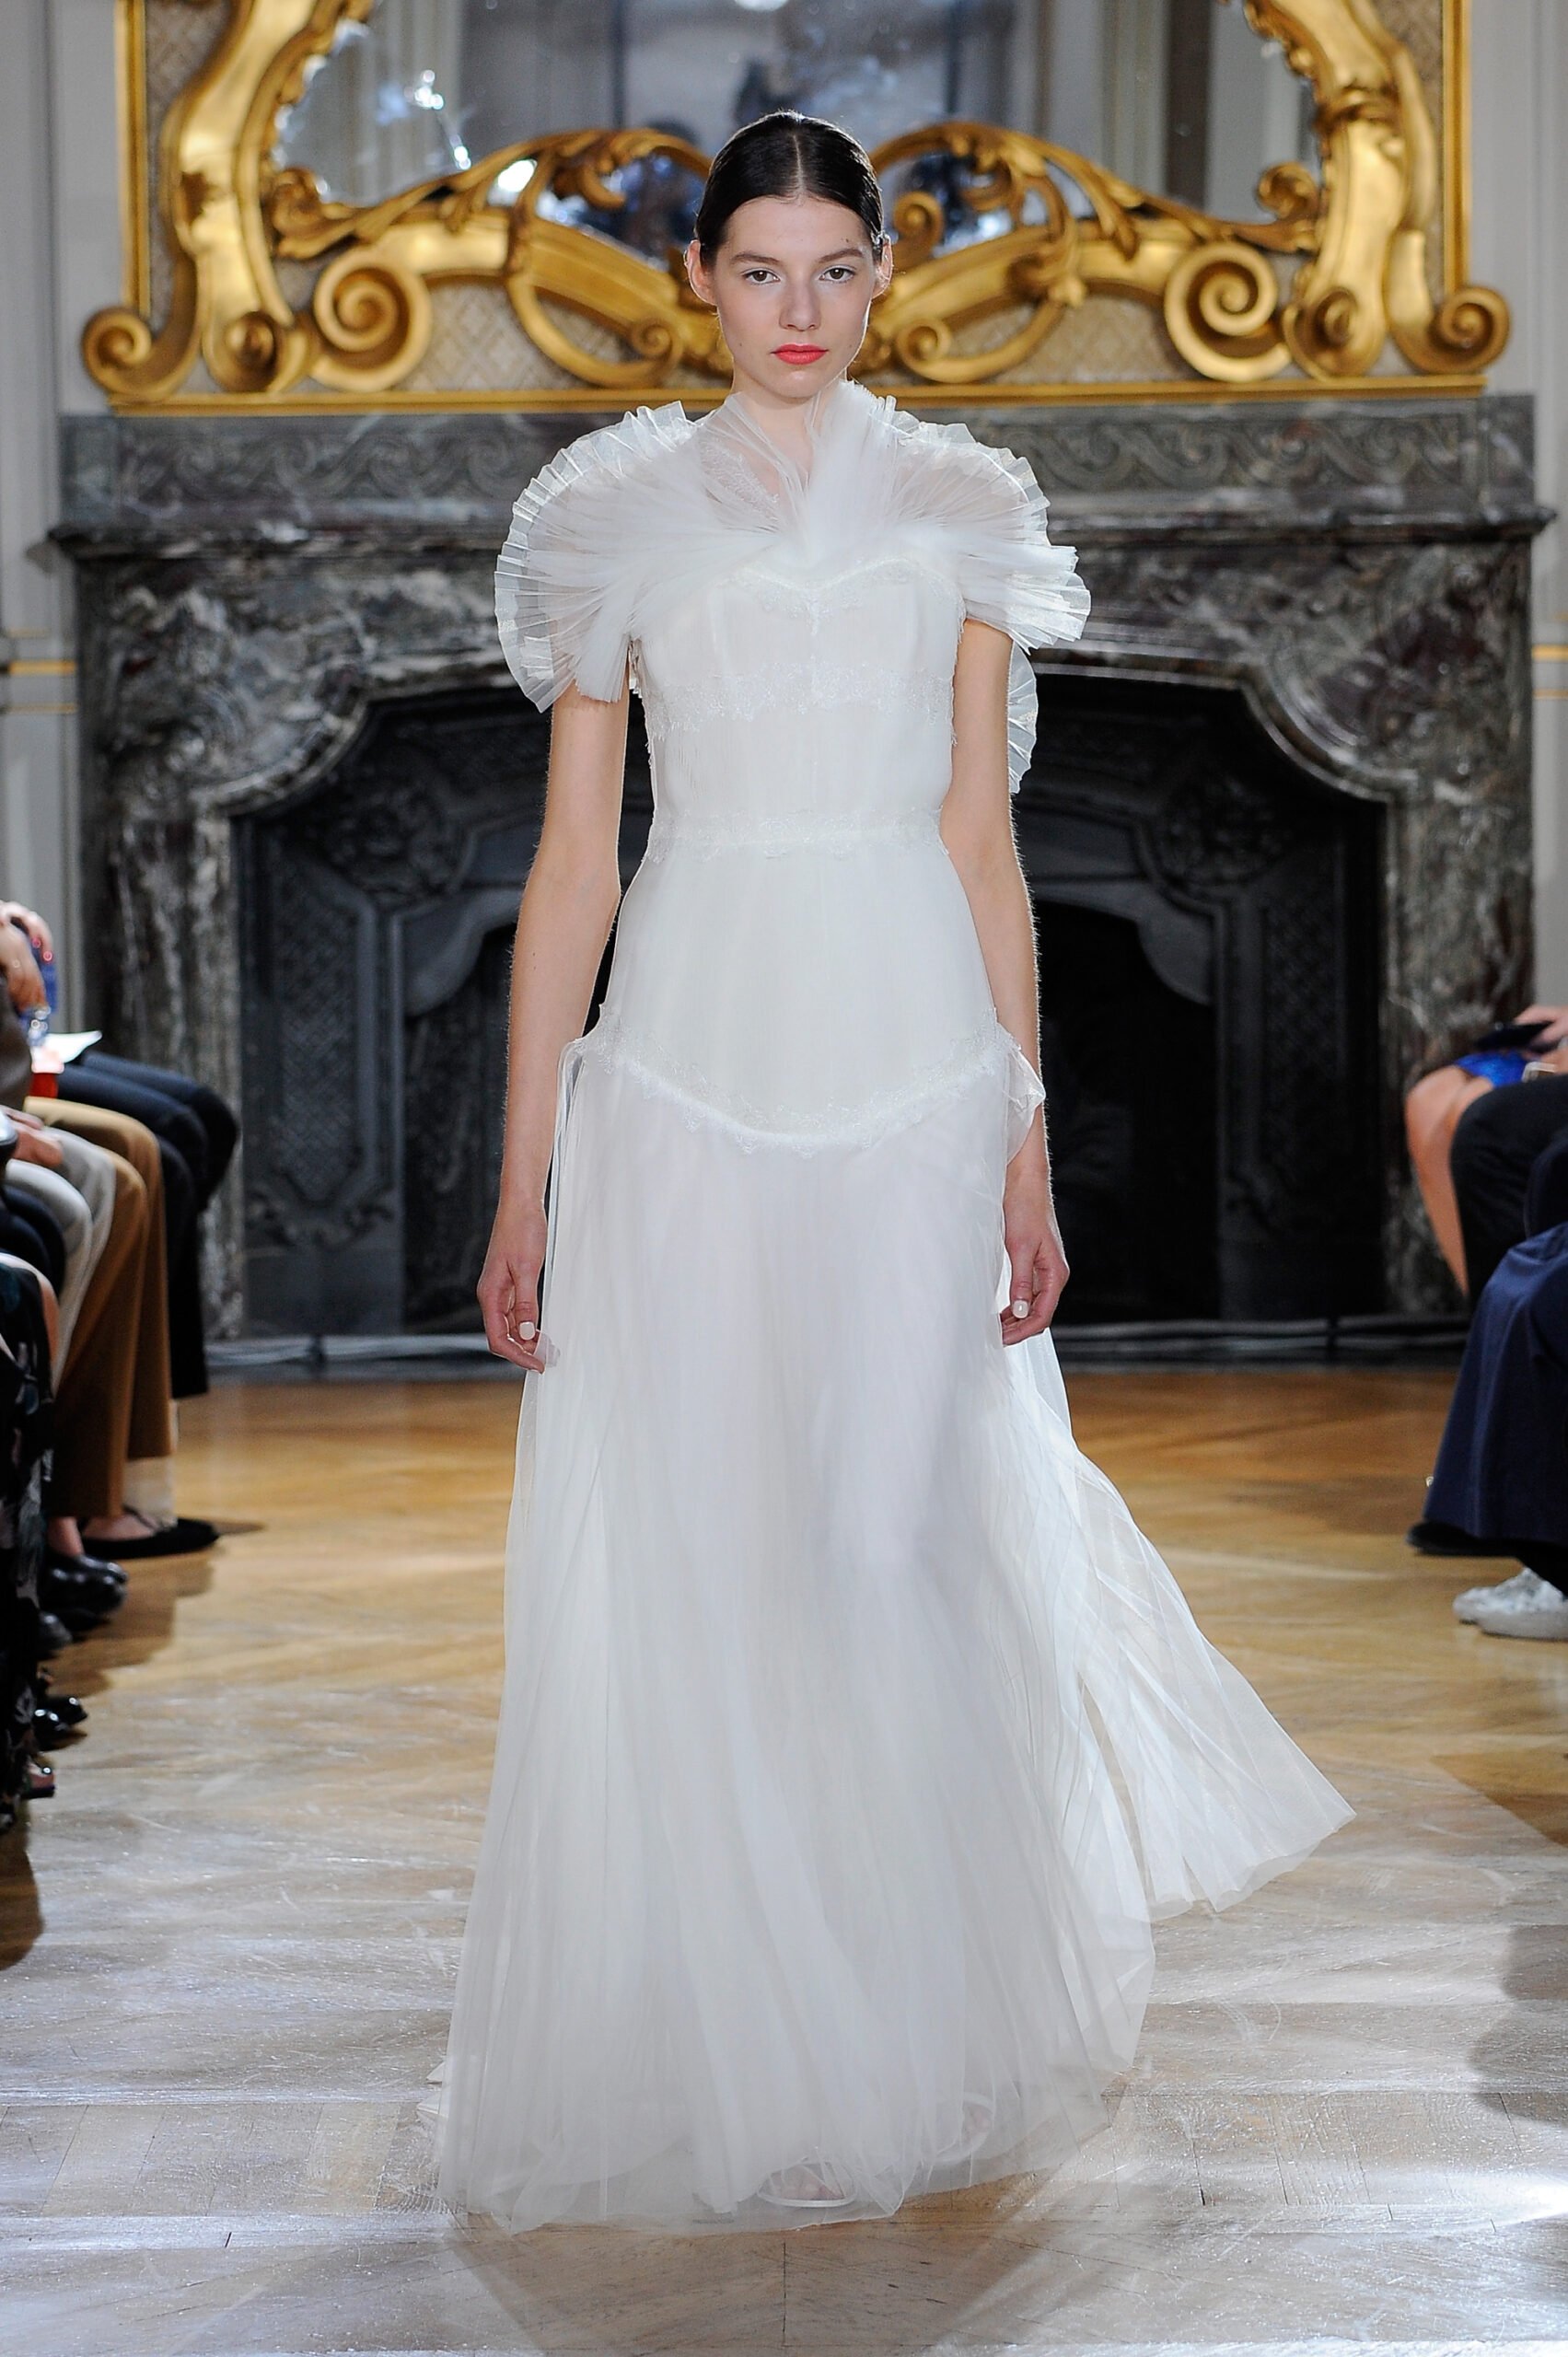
column 227, row 1948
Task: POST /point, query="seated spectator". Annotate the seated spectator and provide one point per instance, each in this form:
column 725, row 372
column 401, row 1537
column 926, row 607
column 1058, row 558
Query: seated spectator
column 95, row 1207
column 1497, row 1148
column 112, row 1403
column 74, row 1591
column 113, row 1483
column 1500, row 1482
column 196, row 1135
column 1474, row 1135
column 75, row 1183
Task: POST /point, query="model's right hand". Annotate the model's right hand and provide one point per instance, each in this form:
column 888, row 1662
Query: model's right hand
column 508, row 1288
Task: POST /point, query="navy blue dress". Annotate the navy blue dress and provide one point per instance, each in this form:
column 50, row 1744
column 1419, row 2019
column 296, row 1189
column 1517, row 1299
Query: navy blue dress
column 1503, row 1468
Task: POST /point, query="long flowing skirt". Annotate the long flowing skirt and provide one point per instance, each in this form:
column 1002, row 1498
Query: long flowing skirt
column 853, row 1734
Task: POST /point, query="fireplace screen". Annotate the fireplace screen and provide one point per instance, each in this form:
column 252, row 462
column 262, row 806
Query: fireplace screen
column 1208, row 972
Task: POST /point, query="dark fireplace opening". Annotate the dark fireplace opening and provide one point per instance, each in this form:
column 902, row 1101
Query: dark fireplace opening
column 454, row 1056
column 1129, row 1070
column 455, row 1068
column 1206, row 917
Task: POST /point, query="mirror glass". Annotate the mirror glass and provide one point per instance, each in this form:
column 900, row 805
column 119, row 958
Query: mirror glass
column 1179, row 97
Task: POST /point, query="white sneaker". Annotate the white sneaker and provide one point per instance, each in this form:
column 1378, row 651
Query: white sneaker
column 1512, row 1612
column 1524, row 1587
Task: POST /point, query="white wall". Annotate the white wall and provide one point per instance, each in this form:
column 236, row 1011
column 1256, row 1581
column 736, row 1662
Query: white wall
column 1520, row 244
column 59, row 260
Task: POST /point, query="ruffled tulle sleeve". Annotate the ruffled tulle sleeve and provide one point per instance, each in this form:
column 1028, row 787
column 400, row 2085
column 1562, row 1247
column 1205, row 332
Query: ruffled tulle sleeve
column 987, row 513
column 570, row 579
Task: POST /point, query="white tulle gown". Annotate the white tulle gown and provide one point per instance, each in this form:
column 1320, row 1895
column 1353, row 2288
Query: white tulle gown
column 853, row 1734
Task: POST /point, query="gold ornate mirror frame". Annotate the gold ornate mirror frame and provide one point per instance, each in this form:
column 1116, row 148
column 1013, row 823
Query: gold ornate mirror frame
column 1346, row 262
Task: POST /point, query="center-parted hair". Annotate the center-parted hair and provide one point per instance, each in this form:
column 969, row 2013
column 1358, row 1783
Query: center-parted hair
column 789, row 155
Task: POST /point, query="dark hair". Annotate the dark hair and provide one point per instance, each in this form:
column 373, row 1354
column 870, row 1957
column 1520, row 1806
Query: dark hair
column 788, row 154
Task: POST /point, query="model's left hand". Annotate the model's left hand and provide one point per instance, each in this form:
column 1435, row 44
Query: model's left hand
column 1036, row 1261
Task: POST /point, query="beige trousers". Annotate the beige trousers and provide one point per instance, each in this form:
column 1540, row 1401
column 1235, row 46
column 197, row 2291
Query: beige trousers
column 113, row 1395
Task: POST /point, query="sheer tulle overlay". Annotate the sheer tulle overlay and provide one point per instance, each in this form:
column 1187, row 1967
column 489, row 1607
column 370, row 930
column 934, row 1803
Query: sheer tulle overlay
column 853, row 1734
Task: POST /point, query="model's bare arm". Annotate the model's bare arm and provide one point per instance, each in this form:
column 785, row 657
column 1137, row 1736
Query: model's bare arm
column 977, row 828
column 568, row 907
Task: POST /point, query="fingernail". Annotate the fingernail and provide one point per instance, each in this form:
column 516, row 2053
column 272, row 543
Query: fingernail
column 1020, row 1309
column 527, row 1330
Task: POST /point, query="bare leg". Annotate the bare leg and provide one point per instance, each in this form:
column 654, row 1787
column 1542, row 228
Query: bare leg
column 1431, row 1115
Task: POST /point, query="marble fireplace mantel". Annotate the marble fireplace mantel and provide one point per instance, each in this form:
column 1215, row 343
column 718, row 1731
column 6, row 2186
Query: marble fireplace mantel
column 250, row 587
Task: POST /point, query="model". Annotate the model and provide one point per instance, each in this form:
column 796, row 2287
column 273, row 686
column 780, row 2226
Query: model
column 853, row 1734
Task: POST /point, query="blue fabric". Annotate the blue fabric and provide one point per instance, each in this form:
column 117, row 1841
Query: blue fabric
column 1501, row 1066
column 1503, row 1468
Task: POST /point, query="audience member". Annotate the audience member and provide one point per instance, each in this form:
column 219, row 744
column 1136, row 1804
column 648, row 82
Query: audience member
column 100, row 1330
column 116, row 1437
column 196, row 1135
column 1501, row 1473
column 1474, row 1135
column 1501, row 1482
column 75, row 1184
column 1497, row 1148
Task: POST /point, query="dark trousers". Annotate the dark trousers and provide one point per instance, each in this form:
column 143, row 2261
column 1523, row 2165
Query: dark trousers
column 1502, row 1470
column 1498, row 1141
column 32, row 1234
column 196, row 1135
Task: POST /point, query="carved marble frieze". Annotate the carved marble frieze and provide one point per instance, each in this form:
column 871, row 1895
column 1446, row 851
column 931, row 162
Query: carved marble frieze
column 266, row 478
column 251, row 590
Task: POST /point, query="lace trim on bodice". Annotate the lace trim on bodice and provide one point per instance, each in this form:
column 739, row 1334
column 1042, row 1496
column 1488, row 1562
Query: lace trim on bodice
column 786, row 832
column 812, row 686
column 862, row 1122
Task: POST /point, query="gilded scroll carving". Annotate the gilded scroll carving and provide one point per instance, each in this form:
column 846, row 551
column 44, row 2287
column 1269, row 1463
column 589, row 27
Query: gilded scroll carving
column 1338, row 269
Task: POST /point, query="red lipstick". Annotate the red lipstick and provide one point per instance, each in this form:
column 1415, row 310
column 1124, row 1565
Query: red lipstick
column 799, row 356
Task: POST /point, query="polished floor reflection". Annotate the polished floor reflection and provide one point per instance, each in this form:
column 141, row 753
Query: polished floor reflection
column 226, row 1947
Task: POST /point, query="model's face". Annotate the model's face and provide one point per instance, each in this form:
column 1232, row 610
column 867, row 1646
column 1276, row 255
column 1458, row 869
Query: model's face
column 793, row 283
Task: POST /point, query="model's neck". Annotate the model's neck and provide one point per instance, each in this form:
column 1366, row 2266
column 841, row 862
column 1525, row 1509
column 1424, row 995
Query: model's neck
column 790, row 425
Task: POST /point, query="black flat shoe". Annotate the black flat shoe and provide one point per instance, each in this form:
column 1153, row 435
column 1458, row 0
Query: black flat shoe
column 84, row 1575
column 39, row 1784
column 186, row 1537
column 48, row 1729
column 77, row 1622
column 65, row 1707
column 1447, row 1538
column 81, row 1599
column 100, row 1566
column 52, row 1635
